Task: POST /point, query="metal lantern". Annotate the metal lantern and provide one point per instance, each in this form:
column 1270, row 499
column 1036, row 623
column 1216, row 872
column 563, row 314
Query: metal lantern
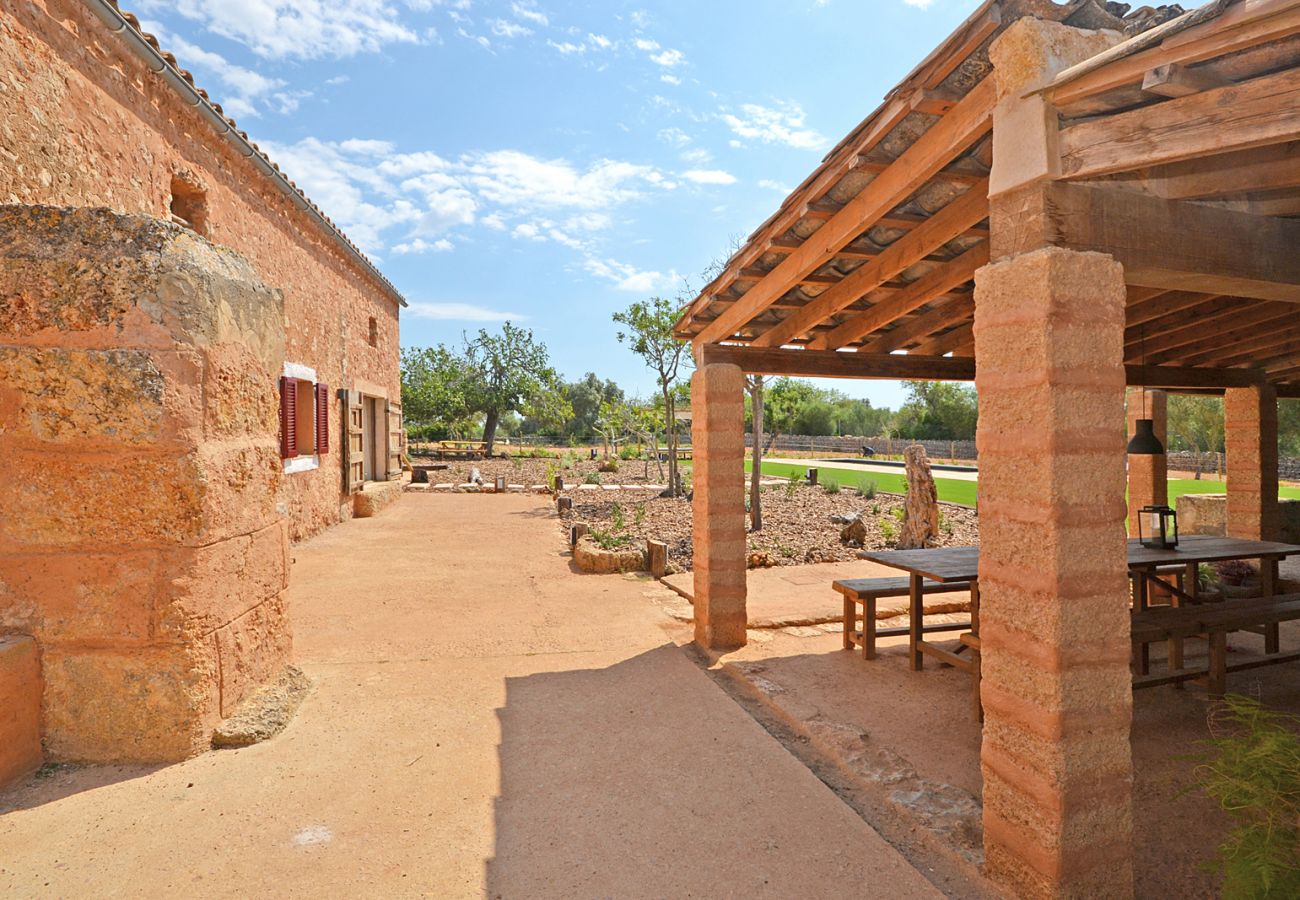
column 1158, row 527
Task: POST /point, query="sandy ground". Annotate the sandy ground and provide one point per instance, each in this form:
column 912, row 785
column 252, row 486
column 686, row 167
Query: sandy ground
column 914, row 737
column 483, row 723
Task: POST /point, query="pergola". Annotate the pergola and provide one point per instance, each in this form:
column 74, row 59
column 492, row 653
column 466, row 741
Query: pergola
column 1056, row 204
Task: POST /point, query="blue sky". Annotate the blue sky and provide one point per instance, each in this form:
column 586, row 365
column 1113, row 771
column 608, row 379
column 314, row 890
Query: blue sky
column 543, row 161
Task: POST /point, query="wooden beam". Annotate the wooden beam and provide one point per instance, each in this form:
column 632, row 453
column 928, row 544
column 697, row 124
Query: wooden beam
column 942, row 227
column 1288, row 391
column 970, row 120
column 1234, row 347
column 1176, row 80
column 1269, row 168
column 1166, row 303
column 947, row 342
column 1164, row 333
column 837, row 364
column 943, row 315
column 1172, row 244
column 1228, row 325
column 1261, row 111
column 1247, row 24
column 920, row 292
column 1175, row 377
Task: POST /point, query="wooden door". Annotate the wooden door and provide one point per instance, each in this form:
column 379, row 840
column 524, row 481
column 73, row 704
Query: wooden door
column 354, row 445
column 396, row 439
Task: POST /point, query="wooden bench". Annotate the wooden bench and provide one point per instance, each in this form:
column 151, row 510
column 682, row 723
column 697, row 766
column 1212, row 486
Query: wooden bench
column 1216, row 622
column 865, row 592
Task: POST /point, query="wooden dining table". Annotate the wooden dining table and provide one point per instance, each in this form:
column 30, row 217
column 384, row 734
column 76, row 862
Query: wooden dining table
column 949, row 565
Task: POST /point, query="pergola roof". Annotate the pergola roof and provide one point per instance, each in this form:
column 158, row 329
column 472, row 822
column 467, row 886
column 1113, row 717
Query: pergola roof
column 1179, row 156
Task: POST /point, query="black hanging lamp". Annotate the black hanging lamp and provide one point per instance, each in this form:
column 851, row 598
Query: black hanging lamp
column 1145, row 442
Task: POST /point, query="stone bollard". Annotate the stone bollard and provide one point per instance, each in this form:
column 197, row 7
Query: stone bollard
column 657, row 553
column 576, row 531
column 812, row 477
column 563, row 504
column 558, row 485
column 500, row 486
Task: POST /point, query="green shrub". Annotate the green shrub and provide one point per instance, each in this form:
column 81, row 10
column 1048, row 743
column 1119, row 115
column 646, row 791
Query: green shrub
column 591, row 478
column 867, row 491
column 616, row 517
column 1253, row 773
column 831, row 486
column 628, row 453
column 792, row 487
column 638, row 514
column 887, row 530
column 607, row 540
column 899, row 513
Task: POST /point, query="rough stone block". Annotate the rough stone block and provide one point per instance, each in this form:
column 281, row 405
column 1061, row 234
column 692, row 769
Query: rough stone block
column 96, row 597
column 118, row 706
column 252, row 649
column 210, row 586
column 376, row 497
column 20, row 707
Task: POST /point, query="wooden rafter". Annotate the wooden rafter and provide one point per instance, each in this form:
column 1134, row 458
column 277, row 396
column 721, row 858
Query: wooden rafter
column 833, row 364
column 944, row 141
column 1255, row 113
column 943, row 315
column 947, row 342
column 1240, row 351
column 942, row 227
column 1226, row 330
column 917, row 294
column 1164, row 304
column 1230, row 174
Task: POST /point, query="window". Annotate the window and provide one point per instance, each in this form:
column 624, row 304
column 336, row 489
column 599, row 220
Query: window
column 374, row 332
column 189, row 206
column 304, row 419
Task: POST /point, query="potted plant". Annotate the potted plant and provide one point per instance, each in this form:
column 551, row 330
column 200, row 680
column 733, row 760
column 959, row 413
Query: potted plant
column 1208, row 587
column 1238, row 579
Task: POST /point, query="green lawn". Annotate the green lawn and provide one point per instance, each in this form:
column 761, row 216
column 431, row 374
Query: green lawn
column 963, row 492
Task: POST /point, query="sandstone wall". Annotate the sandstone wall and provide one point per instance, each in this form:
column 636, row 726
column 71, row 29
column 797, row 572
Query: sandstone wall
column 83, row 123
column 140, row 540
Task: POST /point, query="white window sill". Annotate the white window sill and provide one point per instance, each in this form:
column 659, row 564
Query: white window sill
column 301, row 464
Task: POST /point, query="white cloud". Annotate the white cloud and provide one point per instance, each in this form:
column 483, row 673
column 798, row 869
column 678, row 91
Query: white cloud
column 668, row 58
column 460, row 312
column 245, row 93
column 646, row 45
column 528, row 231
column 919, row 4
column 674, row 136
column 784, row 125
column 770, row 185
column 567, row 47
column 600, row 41
column 529, row 12
column 366, row 147
column 670, row 79
column 419, row 245
column 493, row 221
column 709, row 176
column 515, row 179
column 509, row 30
column 479, row 39
column 303, row 29
column 629, row 278
column 697, row 155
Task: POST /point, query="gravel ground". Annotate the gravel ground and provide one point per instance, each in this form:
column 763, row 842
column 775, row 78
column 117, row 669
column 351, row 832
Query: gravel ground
column 531, row 471
column 797, row 526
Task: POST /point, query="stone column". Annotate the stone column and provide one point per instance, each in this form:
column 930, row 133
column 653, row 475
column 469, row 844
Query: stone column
column 1054, row 620
column 718, row 436
column 1250, row 438
column 1148, row 476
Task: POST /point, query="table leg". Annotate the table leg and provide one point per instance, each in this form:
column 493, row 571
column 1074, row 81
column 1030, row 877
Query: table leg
column 869, row 627
column 850, row 615
column 1143, row 601
column 1217, row 683
column 1268, row 580
column 916, row 616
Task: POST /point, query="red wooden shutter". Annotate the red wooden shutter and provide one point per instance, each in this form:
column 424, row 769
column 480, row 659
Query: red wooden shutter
column 288, row 417
column 322, row 418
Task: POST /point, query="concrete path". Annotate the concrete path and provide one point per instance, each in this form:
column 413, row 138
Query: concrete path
column 484, row 723
column 876, row 467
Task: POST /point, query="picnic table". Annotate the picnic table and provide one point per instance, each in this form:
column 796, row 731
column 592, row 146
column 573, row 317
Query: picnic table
column 950, row 565
column 460, row 450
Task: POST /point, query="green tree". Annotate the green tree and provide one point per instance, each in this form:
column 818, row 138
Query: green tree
column 586, row 396
column 508, row 372
column 434, row 389
column 937, row 410
column 648, row 331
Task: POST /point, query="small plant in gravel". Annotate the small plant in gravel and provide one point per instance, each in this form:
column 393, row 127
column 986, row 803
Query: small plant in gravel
column 638, row 514
column 875, row 509
column 899, row 513
column 792, row 487
column 591, row 478
column 888, row 531
column 608, row 540
column 628, row 453
column 867, row 491
column 616, row 517
column 831, row 486
column 944, row 525
column 609, row 464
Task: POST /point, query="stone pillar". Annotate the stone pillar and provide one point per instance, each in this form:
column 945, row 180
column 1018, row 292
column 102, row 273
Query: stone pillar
column 1054, row 620
column 1250, row 438
column 140, row 543
column 1148, row 476
column 718, row 438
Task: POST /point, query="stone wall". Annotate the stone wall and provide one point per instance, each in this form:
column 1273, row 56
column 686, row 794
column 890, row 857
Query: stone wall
column 140, row 540
column 83, row 123
column 1208, row 514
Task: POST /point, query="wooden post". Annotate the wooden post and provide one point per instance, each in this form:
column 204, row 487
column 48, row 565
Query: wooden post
column 657, row 552
column 576, row 531
column 500, row 485
column 563, row 504
column 812, row 477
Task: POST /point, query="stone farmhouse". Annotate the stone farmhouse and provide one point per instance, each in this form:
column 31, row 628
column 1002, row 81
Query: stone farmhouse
column 197, row 368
